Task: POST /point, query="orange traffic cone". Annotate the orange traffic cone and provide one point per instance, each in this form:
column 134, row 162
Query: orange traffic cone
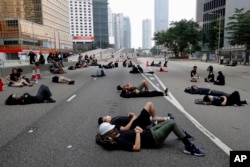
column 33, row 77
column 1, row 84
column 162, row 69
column 38, row 75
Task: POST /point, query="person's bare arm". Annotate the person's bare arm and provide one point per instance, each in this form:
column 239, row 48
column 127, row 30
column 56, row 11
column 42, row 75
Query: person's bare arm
column 137, row 145
column 128, row 126
column 224, row 101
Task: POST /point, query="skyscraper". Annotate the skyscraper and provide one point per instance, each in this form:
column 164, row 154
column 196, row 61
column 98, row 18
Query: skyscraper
column 118, row 30
column 161, row 9
column 146, row 34
column 100, row 18
column 127, row 32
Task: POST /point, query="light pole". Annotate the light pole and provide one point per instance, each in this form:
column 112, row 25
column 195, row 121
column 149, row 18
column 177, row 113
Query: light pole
column 218, row 49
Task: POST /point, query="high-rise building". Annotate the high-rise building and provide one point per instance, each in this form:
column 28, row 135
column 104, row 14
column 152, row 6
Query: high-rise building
column 34, row 24
column 81, row 21
column 208, row 11
column 126, row 32
column 100, row 18
column 220, row 10
column 146, row 34
column 118, row 30
column 161, row 19
column 110, row 27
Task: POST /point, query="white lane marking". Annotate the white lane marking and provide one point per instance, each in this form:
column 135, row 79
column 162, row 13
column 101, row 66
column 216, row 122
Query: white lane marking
column 172, row 100
column 72, row 97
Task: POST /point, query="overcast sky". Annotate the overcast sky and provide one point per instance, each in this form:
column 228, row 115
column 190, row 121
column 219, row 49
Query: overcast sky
column 138, row 10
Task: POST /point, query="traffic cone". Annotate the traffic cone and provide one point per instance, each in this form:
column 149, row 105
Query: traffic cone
column 1, row 84
column 33, row 77
column 38, row 75
column 162, row 69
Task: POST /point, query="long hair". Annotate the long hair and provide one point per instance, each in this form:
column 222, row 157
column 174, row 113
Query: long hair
column 11, row 101
column 105, row 142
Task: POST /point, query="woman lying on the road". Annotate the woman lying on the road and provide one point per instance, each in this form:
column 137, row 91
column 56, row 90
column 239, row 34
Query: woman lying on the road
column 134, row 140
column 204, row 91
column 231, row 99
column 43, row 96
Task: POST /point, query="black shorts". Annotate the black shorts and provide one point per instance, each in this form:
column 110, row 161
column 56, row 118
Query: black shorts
column 143, row 120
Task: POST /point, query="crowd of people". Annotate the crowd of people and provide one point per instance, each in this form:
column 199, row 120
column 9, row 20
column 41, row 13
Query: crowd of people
column 129, row 132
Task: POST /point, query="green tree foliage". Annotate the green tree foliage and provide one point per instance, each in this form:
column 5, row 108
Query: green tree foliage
column 238, row 28
column 179, row 36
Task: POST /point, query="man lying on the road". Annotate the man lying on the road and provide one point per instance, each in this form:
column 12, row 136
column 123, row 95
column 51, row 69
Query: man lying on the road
column 204, row 91
column 146, row 118
column 229, row 100
column 137, row 93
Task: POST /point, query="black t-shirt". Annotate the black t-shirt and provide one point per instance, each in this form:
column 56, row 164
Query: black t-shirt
column 55, row 79
column 119, row 121
column 217, row 100
column 126, row 140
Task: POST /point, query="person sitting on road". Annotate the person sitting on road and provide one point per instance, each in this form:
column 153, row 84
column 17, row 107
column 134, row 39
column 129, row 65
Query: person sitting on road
column 142, row 86
column 137, row 93
column 43, row 96
column 134, row 70
column 220, row 80
column 62, row 79
column 99, row 72
column 210, row 77
column 22, row 76
column 231, row 99
column 15, row 80
column 134, row 140
column 204, row 91
column 194, row 74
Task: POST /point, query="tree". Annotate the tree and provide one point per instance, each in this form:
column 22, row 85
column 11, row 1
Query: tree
column 181, row 35
column 238, row 28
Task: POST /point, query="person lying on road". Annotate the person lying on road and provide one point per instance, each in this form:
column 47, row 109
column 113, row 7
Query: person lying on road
column 43, row 96
column 138, row 138
column 194, row 89
column 231, row 99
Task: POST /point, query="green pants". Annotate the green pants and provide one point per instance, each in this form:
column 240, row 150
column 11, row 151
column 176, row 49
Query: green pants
column 161, row 131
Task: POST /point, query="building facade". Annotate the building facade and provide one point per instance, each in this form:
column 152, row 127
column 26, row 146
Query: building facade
column 81, row 21
column 146, row 34
column 100, row 20
column 34, row 25
column 127, row 33
column 118, row 30
column 221, row 10
column 161, row 16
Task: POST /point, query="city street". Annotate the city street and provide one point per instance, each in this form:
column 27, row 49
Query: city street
column 63, row 133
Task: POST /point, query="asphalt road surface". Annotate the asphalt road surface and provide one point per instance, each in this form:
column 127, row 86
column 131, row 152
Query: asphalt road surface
column 63, row 133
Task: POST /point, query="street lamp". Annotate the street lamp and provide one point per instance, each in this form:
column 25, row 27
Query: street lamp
column 218, row 49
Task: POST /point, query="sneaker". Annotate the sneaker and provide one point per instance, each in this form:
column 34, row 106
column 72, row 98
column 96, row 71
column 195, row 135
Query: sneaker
column 188, row 135
column 166, row 91
column 154, row 122
column 71, row 82
column 50, row 100
column 193, row 150
column 170, row 116
column 245, row 101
